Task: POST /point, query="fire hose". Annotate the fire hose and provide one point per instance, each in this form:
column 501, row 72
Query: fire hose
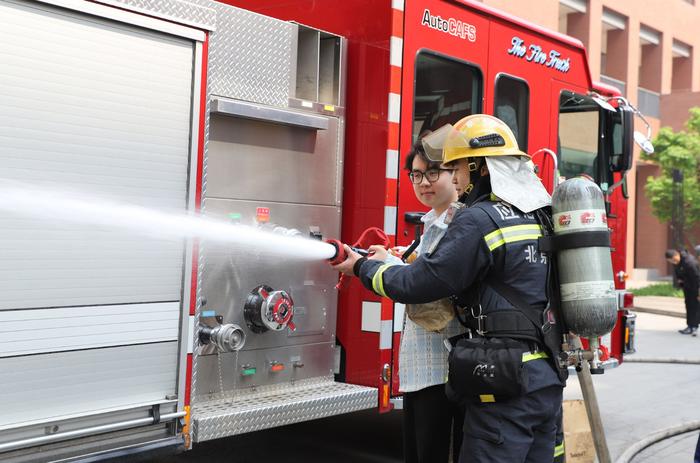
column 662, row 434
column 656, row 437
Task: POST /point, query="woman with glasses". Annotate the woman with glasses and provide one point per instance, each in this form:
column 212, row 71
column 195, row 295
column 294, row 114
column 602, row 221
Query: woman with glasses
column 430, row 419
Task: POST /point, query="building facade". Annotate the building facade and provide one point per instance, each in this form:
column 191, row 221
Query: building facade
column 651, row 51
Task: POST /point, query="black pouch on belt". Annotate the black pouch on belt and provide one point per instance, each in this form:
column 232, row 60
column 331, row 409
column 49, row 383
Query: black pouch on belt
column 486, row 369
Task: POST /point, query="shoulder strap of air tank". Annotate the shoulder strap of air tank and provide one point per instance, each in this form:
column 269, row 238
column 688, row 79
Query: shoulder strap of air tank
column 544, row 218
column 483, row 204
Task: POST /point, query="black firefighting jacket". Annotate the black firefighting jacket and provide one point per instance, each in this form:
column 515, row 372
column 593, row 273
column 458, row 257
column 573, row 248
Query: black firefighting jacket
column 489, row 241
column 688, row 273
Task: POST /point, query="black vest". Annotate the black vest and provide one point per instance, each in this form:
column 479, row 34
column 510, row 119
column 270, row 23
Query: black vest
column 511, row 298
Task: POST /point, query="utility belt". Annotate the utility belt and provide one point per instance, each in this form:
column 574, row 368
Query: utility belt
column 485, row 370
column 487, row 366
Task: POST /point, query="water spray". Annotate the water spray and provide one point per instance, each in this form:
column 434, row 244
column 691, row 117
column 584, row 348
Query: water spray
column 61, row 207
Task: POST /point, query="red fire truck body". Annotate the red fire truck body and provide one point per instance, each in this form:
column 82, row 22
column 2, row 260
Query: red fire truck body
column 293, row 116
column 385, row 45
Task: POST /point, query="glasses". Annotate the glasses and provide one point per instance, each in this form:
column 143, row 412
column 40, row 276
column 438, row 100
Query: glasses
column 431, row 175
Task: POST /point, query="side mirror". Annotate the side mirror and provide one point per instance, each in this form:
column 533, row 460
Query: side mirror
column 643, row 142
column 622, row 139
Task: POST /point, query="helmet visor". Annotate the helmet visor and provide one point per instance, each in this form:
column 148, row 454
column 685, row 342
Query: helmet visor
column 445, row 137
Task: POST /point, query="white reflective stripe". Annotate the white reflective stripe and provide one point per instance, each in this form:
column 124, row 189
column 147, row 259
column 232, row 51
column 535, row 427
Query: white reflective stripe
column 392, row 164
column 394, row 107
column 396, row 51
column 371, row 316
column 190, row 334
column 397, row 4
column 390, row 220
column 385, row 334
column 399, row 311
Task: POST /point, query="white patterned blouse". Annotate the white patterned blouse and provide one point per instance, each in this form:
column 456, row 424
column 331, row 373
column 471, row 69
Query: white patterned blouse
column 422, row 354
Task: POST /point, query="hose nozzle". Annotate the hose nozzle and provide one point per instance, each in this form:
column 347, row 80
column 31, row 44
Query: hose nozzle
column 340, row 254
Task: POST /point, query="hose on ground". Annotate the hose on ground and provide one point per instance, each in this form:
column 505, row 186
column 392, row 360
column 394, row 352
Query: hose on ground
column 653, row 438
column 662, row 360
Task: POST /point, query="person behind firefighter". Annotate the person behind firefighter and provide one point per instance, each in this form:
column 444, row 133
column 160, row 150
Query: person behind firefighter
column 506, row 375
column 429, row 418
column 687, row 273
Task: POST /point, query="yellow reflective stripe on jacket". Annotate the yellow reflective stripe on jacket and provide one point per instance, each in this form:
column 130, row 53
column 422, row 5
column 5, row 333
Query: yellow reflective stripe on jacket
column 512, row 234
column 559, row 450
column 378, row 281
column 528, row 356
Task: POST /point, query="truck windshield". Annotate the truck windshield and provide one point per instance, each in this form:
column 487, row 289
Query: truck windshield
column 579, row 136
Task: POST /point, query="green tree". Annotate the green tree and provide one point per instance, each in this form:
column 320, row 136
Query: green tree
column 676, row 150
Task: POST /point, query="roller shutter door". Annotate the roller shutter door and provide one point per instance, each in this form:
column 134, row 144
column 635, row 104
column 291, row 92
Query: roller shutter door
column 98, row 109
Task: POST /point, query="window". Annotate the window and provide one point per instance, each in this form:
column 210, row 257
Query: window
column 512, row 106
column 446, row 91
column 579, row 141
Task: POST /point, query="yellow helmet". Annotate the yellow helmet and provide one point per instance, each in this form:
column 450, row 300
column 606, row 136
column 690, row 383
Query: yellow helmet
column 478, row 135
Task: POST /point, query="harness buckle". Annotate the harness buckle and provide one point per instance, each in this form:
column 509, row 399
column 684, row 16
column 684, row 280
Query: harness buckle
column 549, row 320
column 479, row 321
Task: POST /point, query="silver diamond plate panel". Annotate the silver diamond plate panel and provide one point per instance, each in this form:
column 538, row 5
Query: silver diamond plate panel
column 252, row 57
column 262, row 409
column 199, row 13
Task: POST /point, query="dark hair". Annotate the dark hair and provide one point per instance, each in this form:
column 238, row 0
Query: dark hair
column 671, row 253
column 418, row 150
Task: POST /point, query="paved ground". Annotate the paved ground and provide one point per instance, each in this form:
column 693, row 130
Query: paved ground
column 636, row 399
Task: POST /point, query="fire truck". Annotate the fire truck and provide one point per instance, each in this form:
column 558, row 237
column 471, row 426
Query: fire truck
column 288, row 115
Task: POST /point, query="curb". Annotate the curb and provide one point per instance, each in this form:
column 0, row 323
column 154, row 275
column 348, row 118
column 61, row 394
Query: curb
column 668, row 313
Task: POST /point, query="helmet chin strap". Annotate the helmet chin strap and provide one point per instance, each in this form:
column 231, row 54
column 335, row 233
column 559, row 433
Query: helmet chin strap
column 475, row 191
column 480, row 187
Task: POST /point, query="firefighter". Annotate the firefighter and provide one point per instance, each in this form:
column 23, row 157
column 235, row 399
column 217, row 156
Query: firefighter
column 489, row 260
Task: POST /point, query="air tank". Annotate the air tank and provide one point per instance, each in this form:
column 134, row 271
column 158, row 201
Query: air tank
column 588, row 296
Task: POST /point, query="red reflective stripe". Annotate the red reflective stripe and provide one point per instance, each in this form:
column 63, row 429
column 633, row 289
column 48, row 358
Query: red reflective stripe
column 393, row 135
column 188, row 379
column 392, row 189
column 200, row 161
column 395, row 80
column 397, row 23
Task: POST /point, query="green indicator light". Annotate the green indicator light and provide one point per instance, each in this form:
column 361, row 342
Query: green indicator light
column 248, row 371
column 235, row 216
